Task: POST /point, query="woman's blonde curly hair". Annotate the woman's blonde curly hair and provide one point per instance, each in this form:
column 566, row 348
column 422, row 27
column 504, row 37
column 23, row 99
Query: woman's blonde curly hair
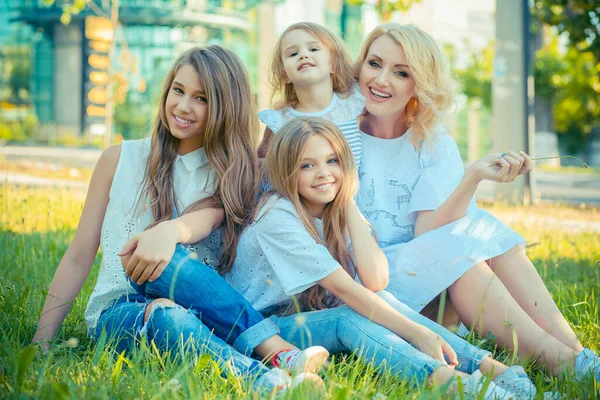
column 435, row 86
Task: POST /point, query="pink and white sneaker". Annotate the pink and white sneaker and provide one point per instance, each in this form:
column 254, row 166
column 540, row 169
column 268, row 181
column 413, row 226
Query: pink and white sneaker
column 296, row 362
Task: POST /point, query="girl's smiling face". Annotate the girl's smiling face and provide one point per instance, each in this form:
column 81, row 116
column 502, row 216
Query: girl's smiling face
column 320, row 176
column 187, row 109
column 385, row 78
column 306, row 60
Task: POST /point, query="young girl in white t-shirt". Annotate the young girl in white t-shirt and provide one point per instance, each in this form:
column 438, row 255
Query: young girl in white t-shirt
column 296, row 257
column 202, row 158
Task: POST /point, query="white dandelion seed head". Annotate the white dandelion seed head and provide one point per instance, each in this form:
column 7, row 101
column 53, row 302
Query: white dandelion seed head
column 174, row 384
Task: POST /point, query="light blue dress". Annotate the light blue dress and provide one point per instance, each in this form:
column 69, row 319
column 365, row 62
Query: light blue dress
column 397, row 180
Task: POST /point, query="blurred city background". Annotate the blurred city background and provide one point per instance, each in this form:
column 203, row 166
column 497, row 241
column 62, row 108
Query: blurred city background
column 77, row 75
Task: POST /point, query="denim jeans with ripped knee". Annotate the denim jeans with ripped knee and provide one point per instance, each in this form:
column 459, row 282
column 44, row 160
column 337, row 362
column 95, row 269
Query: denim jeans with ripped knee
column 198, row 287
column 173, row 328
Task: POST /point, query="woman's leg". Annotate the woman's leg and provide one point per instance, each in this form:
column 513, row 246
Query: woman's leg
column 523, row 282
column 198, row 287
column 483, row 303
column 449, row 317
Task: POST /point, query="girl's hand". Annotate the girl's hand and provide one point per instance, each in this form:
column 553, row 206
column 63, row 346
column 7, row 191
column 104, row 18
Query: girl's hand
column 434, row 346
column 501, row 167
column 146, row 255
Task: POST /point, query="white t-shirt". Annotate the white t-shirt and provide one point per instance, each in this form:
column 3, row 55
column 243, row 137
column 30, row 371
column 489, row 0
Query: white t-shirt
column 277, row 258
column 397, row 180
column 193, row 179
column 342, row 111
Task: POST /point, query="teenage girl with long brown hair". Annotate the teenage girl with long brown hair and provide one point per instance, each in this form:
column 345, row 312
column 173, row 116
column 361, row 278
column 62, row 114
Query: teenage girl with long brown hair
column 201, row 157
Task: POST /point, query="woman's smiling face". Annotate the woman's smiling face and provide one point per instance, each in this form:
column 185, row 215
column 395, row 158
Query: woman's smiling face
column 385, row 78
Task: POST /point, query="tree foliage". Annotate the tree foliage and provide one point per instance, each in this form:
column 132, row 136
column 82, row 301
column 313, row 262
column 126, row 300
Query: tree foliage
column 580, row 19
column 570, row 78
column 476, row 78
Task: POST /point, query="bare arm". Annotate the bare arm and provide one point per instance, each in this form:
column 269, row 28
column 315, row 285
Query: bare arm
column 492, row 167
column 77, row 262
column 371, row 306
column 371, row 263
column 147, row 254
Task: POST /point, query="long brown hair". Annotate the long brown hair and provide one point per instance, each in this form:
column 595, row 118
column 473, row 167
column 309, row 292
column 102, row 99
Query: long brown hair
column 282, row 165
column 341, row 65
column 230, row 141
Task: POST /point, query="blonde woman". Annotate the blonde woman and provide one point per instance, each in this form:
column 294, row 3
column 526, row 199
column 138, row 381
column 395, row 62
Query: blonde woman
column 419, row 199
column 295, row 257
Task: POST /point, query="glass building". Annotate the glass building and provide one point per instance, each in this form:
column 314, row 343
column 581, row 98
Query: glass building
column 65, row 65
column 68, row 98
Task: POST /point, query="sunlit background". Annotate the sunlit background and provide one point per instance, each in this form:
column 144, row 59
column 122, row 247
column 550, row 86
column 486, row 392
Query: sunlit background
column 56, row 62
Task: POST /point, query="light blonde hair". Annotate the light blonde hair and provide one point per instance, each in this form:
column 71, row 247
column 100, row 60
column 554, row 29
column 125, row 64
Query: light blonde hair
column 230, row 140
column 341, row 65
column 281, row 167
column 435, row 86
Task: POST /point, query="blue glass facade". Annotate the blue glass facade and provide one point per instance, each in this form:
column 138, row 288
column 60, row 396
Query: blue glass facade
column 153, row 33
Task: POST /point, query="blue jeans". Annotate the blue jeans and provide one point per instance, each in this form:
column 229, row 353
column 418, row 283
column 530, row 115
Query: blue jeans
column 198, row 287
column 343, row 329
column 124, row 325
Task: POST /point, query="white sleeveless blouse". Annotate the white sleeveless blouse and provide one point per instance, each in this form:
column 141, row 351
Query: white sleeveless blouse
column 194, row 179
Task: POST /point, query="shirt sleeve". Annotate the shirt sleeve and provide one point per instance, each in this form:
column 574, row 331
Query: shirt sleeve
column 298, row 261
column 442, row 171
column 271, row 118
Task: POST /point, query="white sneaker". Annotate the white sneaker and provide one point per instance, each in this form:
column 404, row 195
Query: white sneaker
column 296, row 362
column 274, row 380
column 515, row 380
column 587, row 363
column 474, row 384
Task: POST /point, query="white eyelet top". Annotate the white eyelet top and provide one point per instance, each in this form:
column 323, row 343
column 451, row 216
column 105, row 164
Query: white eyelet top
column 194, row 179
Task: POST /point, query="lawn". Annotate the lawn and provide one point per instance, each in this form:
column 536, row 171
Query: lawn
column 37, row 225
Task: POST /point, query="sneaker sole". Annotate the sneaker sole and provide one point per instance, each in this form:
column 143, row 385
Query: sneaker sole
column 311, row 360
column 309, row 381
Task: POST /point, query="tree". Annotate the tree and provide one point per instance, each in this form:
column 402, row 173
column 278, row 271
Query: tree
column 476, row 78
column 386, row 8
column 580, row 19
column 569, row 79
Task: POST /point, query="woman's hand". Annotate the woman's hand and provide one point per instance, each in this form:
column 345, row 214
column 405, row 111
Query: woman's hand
column 146, row 255
column 501, row 167
column 433, row 345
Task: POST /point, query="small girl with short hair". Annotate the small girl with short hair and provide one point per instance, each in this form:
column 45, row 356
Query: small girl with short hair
column 202, row 158
column 311, row 76
column 298, row 247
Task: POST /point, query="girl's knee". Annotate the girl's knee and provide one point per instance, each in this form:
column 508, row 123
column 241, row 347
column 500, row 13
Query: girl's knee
column 157, row 304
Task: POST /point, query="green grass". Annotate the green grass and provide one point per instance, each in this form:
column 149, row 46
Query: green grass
column 38, row 224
